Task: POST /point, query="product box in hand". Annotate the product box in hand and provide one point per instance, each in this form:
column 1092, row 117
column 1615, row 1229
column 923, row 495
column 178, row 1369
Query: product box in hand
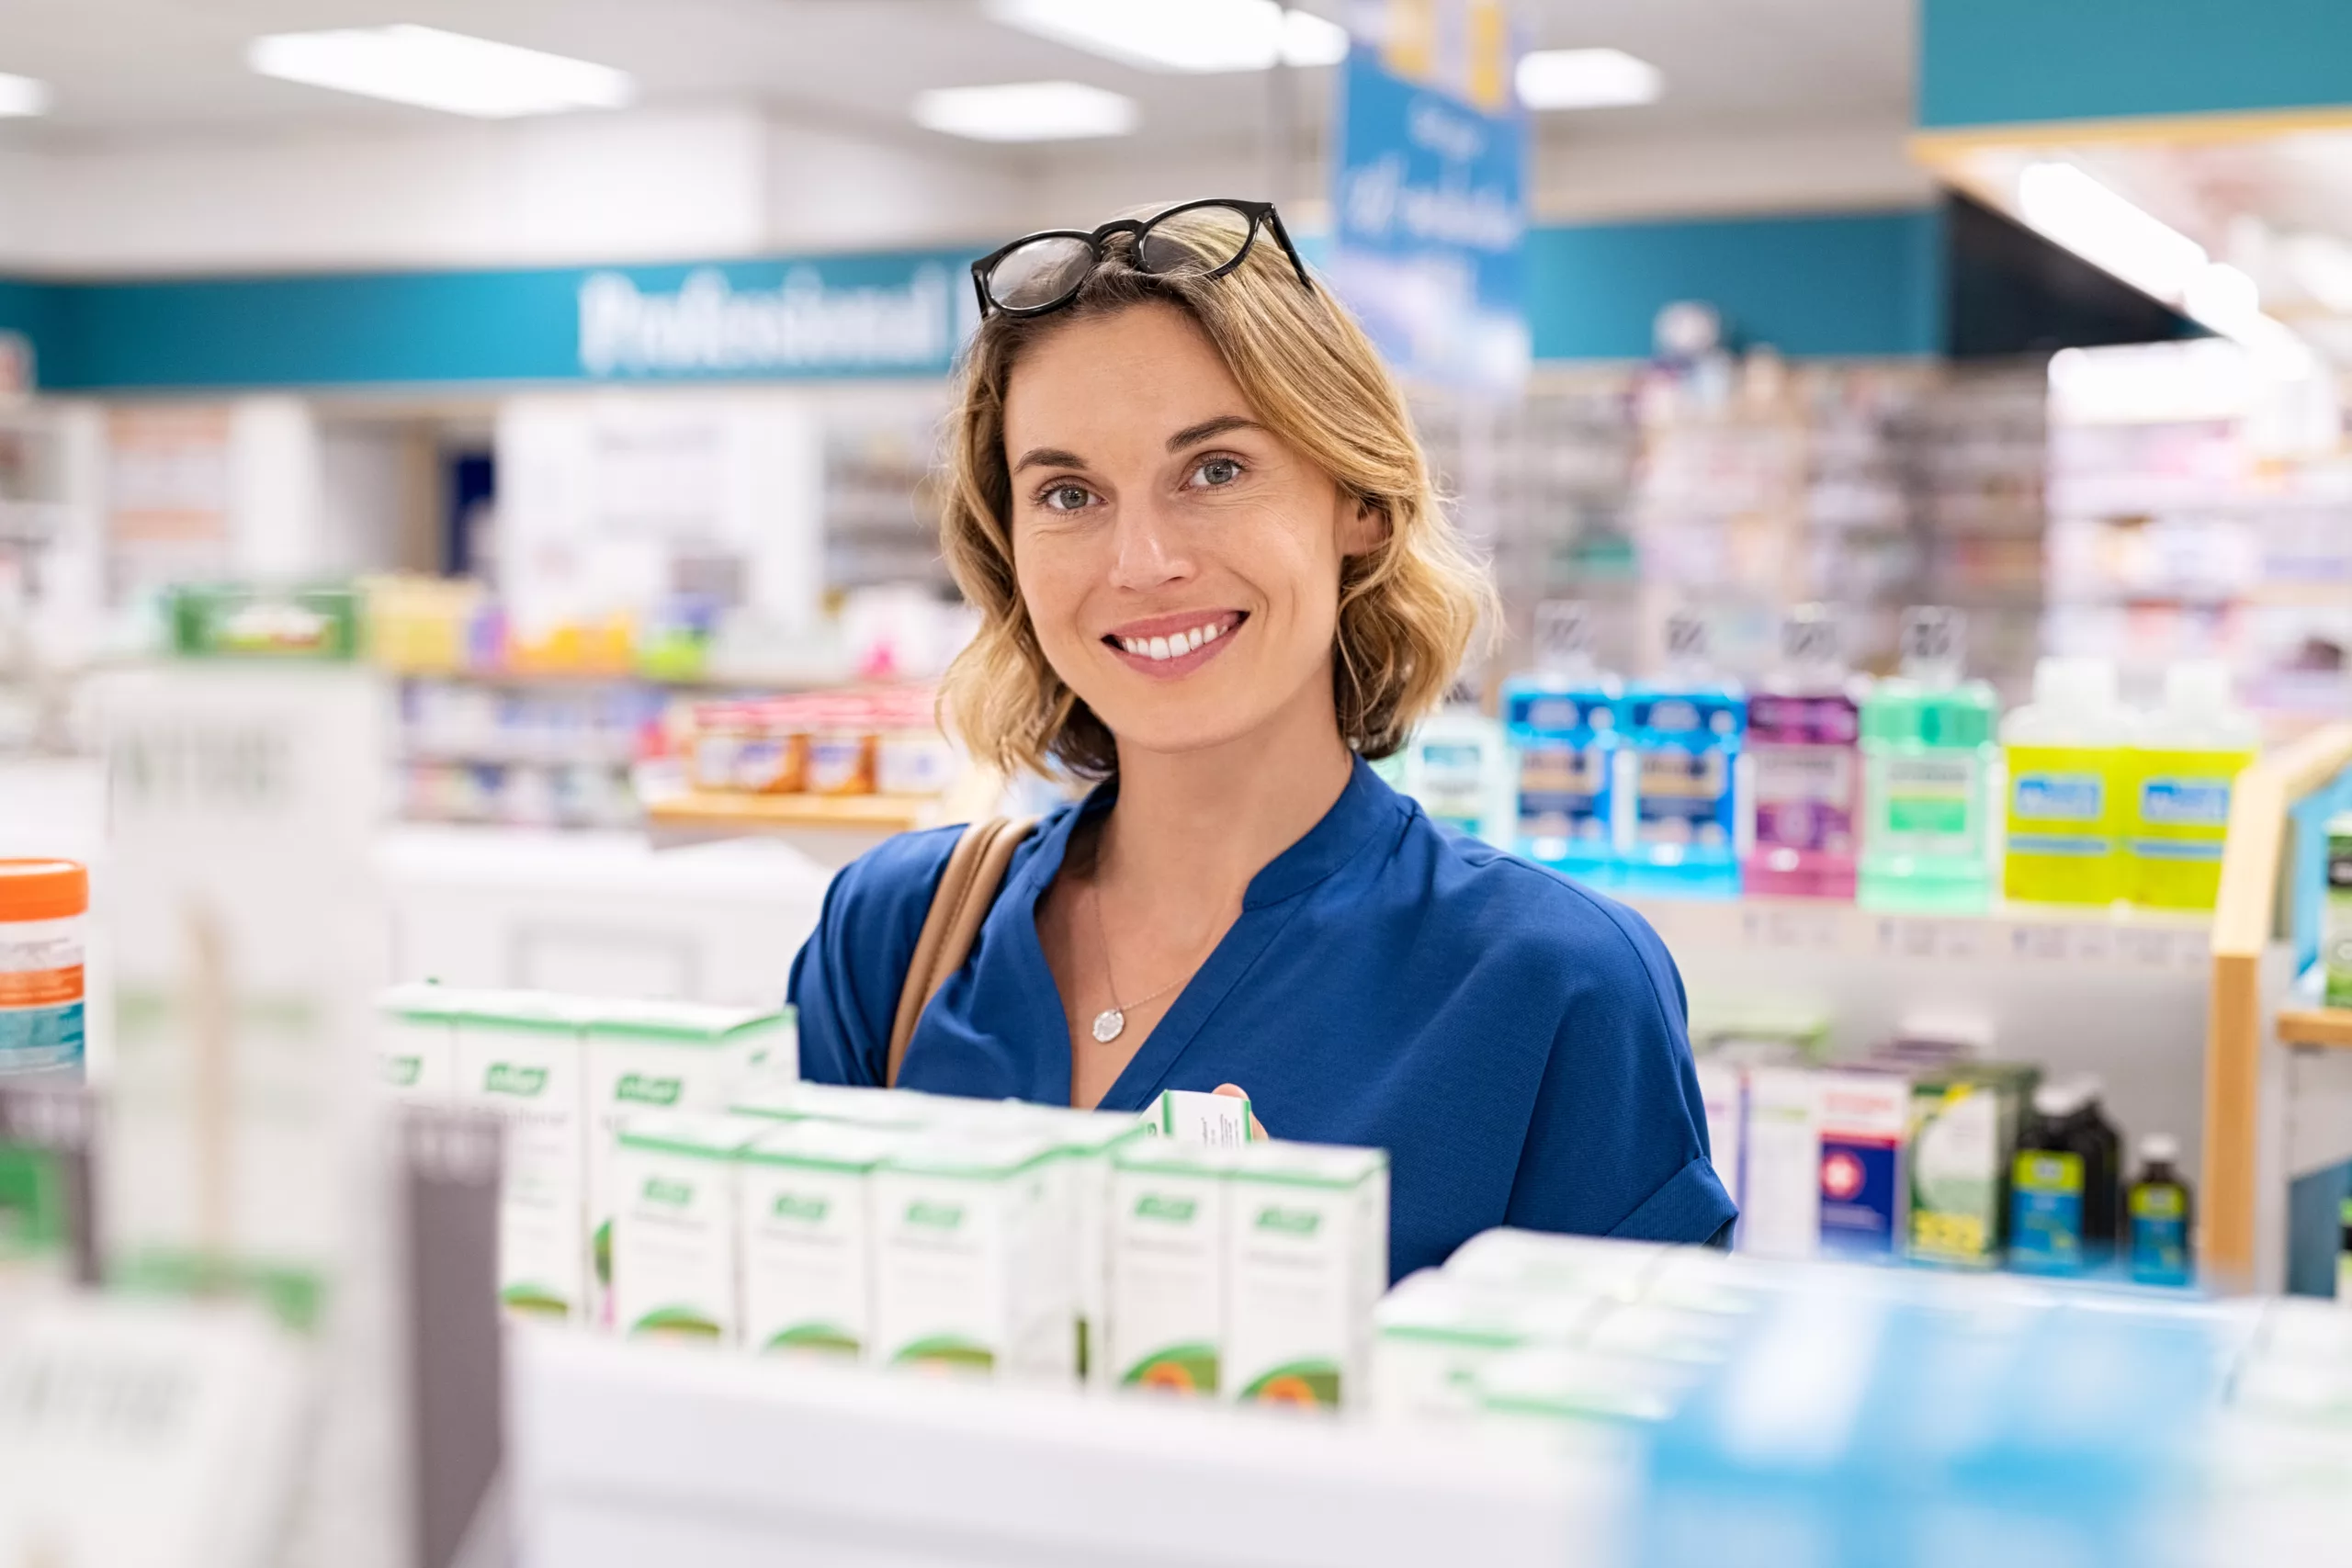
column 660, row 1056
column 519, row 1057
column 1307, row 1257
column 806, row 1238
column 1963, row 1134
column 1168, row 1267
column 418, row 1029
column 963, row 1275
column 2335, row 941
column 675, row 1226
column 1198, row 1119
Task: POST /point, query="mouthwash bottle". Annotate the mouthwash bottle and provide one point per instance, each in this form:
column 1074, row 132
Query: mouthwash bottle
column 2070, row 767
column 2159, row 1210
column 1683, row 734
column 2063, row 1186
column 1458, row 767
column 1804, row 767
column 1928, row 765
column 1562, row 721
column 2190, row 751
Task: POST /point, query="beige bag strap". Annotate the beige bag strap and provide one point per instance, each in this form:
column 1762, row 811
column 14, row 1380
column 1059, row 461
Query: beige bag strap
column 968, row 888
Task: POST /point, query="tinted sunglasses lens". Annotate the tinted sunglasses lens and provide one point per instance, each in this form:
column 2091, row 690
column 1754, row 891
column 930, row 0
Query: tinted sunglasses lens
column 1039, row 273
column 1199, row 239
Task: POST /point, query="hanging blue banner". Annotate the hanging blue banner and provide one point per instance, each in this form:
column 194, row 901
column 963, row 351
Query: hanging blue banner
column 1430, row 191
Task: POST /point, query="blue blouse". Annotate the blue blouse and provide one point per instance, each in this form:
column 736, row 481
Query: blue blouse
column 1515, row 1040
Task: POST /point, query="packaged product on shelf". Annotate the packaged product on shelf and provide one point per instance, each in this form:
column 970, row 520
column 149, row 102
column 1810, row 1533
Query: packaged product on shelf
column 805, row 1237
column 1195, row 1117
column 675, row 1226
column 1963, row 1136
column 1929, row 760
column 1562, row 723
column 1802, row 724
column 1781, row 1190
column 662, row 1055
column 2069, row 781
column 1168, row 1267
column 2336, row 916
column 1307, row 1257
column 42, row 908
column 1084, row 1143
column 1546, row 1394
column 48, row 1150
column 1863, row 1118
column 911, row 756
column 2186, row 757
column 1684, row 736
column 1550, row 1264
column 417, row 1026
column 963, row 1268
column 1723, row 1090
column 2159, row 1215
column 2064, row 1189
column 1458, row 768
column 841, row 747
column 1432, row 1333
column 771, row 754
column 519, row 1057
column 719, row 731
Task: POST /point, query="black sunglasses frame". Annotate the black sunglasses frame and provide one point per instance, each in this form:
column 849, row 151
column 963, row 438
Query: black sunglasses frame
column 1260, row 214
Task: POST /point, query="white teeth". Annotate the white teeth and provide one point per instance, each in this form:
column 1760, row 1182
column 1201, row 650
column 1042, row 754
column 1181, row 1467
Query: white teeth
column 1159, row 647
column 1193, row 639
column 1176, row 646
column 1216, row 630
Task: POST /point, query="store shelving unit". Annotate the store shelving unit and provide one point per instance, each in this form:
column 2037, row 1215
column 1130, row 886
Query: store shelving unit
column 2327, row 1029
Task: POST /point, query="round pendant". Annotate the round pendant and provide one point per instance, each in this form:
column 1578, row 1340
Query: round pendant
column 1109, row 1024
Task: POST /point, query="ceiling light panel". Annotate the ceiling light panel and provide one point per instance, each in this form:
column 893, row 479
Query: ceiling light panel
column 21, row 97
column 1027, row 111
column 1587, row 79
column 437, row 70
column 1181, row 35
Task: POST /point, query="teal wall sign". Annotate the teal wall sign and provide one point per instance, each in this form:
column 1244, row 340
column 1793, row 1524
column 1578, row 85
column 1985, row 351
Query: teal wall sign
column 2022, row 61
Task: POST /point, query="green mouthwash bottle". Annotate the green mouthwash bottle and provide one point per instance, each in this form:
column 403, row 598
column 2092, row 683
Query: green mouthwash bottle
column 2070, row 786
column 1927, row 764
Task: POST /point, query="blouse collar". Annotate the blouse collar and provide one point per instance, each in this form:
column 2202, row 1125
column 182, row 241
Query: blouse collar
column 1363, row 806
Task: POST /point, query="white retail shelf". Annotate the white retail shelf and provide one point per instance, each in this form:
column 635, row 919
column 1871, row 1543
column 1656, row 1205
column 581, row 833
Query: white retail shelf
column 625, row 1455
column 2031, row 936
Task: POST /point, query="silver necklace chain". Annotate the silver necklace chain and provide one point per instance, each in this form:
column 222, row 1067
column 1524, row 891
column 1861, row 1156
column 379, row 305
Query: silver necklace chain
column 1112, row 1021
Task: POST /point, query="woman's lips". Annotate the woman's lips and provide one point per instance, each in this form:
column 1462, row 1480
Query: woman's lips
column 1168, row 646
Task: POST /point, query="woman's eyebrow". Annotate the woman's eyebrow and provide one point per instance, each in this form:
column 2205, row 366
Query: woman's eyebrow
column 1222, row 422
column 1048, row 457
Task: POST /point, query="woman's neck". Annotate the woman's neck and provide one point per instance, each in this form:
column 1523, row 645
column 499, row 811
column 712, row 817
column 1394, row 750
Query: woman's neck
column 1191, row 828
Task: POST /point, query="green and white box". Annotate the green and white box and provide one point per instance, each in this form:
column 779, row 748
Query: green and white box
column 1541, row 1262
column 519, row 1055
column 838, row 1102
column 1168, row 1267
column 963, row 1275
column 417, row 1028
column 1964, row 1138
column 1307, row 1257
column 806, row 1242
column 674, row 1227
column 1191, row 1117
column 1436, row 1329
column 2335, row 940
column 653, row 1056
column 1084, row 1142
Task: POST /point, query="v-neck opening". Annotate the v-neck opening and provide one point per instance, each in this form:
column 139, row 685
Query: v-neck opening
column 1267, row 906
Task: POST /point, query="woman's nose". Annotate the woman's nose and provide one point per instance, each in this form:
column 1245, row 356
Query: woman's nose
column 1147, row 550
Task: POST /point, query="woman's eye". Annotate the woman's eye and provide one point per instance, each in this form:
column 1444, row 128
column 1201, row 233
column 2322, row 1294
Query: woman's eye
column 1216, row 471
column 1066, row 498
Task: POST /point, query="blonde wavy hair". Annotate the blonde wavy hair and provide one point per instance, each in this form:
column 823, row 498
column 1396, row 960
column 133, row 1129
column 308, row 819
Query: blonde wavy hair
column 1408, row 608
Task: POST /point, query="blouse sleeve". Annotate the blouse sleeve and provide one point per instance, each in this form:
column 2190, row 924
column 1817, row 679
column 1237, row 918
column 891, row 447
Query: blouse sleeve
column 846, row 980
column 1617, row 1144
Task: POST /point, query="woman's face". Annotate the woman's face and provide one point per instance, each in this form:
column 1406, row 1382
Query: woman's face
column 1180, row 561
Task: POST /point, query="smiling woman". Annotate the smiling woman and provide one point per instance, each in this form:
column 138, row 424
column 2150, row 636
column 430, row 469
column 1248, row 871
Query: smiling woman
column 1213, row 575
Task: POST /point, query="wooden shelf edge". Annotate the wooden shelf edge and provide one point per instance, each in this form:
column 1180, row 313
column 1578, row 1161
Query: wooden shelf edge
column 862, row 813
column 2328, row 1027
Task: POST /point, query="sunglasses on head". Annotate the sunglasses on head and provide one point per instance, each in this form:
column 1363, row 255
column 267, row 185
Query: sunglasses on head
column 1042, row 272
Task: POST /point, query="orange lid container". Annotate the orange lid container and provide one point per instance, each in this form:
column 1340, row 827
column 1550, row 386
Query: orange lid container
column 43, row 890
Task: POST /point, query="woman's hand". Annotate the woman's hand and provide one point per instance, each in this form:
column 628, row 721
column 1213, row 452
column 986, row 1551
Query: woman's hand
column 1257, row 1128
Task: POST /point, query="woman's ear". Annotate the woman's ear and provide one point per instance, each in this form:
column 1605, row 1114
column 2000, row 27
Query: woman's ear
column 1364, row 527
